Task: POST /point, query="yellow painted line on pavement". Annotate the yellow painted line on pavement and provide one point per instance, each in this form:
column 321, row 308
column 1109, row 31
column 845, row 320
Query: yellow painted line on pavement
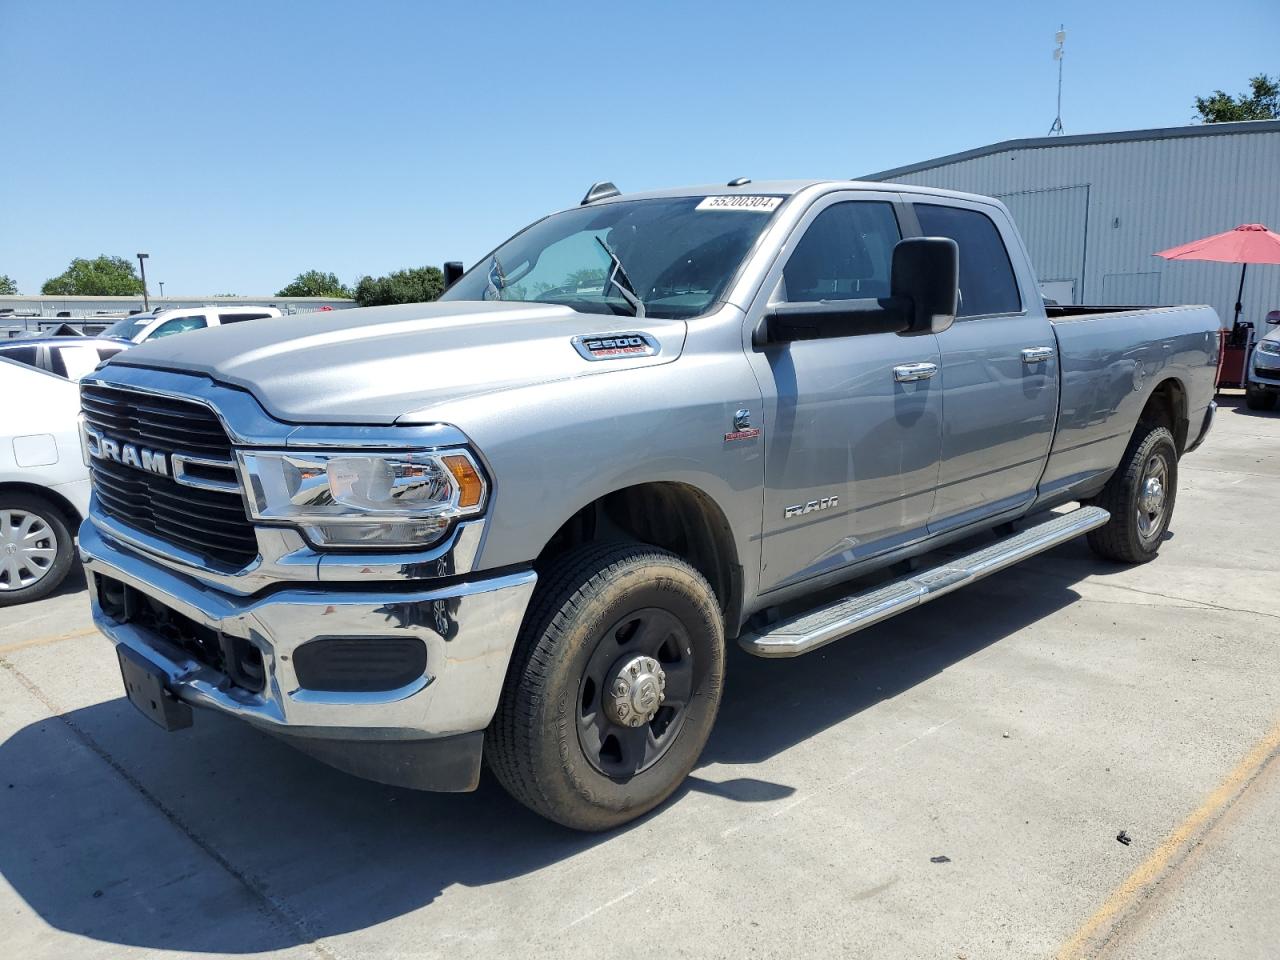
column 1085, row 941
column 42, row 641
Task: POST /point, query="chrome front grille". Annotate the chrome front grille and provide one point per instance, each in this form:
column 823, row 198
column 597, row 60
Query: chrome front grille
column 204, row 515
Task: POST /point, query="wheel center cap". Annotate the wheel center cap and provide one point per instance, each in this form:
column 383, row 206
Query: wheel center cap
column 1152, row 495
column 636, row 691
column 10, row 549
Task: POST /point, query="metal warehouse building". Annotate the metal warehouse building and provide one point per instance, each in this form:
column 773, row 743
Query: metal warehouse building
column 1093, row 209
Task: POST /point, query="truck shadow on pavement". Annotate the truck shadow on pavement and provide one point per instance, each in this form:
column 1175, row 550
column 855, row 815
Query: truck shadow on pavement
column 220, row 839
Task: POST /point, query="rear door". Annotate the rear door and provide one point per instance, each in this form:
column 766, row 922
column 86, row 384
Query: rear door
column 999, row 371
column 852, row 429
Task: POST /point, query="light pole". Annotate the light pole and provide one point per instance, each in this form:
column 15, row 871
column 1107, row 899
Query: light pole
column 161, row 289
column 146, row 303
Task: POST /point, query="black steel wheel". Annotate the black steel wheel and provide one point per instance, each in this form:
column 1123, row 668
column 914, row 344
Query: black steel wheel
column 634, row 692
column 613, row 686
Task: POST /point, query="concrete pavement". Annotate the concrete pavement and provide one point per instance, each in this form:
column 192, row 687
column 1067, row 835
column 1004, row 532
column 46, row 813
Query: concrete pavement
column 1014, row 728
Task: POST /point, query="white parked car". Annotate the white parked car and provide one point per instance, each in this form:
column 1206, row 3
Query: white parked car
column 44, row 484
column 165, row 323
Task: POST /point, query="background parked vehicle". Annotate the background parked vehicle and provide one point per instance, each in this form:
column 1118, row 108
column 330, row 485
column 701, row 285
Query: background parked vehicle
column 69, row 357
column 165, row 323
column 1262, row 389
column 44, row 484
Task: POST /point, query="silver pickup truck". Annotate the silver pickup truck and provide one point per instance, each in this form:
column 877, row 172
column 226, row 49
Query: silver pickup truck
column 524, row 521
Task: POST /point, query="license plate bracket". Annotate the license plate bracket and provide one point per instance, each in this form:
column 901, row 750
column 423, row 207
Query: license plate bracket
column 145, row 684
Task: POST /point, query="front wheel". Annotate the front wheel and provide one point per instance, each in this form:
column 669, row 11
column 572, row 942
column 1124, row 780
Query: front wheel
column 613, row 686
column 1140, row 497
column 35, row 548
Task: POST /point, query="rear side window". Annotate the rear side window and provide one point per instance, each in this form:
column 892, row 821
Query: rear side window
column 75, row 361
column 845, row 254
column 987, row 283
column 177, row 325
column 241, row 317
column 27, row 355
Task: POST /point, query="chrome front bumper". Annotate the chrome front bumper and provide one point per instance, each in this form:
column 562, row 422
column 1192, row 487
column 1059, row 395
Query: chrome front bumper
column 468, row 627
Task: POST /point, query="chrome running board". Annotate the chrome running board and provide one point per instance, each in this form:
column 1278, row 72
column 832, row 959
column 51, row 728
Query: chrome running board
column 812, row 629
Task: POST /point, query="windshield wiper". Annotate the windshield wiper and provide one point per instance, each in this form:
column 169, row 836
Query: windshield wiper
column 618, row 278
column 497, row 280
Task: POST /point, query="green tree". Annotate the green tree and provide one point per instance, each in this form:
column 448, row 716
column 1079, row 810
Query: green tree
column 1262, row 102
column 415, row 285
column 100, row 277
column 315, row 283
column 7, row 287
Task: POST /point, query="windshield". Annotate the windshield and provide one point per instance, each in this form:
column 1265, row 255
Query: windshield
column 677, row 254
column 130, row 328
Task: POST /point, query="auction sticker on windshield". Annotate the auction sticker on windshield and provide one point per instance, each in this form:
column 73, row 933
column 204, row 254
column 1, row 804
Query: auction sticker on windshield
column 749, row 204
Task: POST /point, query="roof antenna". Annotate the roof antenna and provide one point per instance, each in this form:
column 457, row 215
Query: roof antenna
column 1061, row 37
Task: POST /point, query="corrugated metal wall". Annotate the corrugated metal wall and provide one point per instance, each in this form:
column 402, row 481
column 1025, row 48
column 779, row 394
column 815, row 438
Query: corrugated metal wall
column 1107, row 207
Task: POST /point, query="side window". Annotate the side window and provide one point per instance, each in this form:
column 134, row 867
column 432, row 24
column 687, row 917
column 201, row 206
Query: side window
column 74, row 362
column 987, row 283
column 240, row 317
column 845, row 254
column 106, row 353
column 178, row 325
column 28, row 355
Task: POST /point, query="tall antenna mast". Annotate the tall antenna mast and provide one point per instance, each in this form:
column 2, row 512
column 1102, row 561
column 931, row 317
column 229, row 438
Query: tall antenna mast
column 1061, row 37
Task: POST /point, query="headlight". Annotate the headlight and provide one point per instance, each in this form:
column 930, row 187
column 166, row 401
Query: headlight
column 357, row 499
column 1269, row 346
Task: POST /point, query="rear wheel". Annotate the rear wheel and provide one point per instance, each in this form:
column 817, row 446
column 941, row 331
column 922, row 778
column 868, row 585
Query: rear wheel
column 1140, row 497
column 1256, row 399
column 35, row 548
column 612, row 689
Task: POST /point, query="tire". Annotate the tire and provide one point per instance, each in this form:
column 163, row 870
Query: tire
column 1259, row 399
column 36, row 548
column 603, row 608
column 1138, row 523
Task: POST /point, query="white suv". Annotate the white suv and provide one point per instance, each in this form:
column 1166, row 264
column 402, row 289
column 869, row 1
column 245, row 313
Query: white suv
column 165, row 323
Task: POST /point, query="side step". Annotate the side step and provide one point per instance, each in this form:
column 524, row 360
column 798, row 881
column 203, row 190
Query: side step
column 815, row 628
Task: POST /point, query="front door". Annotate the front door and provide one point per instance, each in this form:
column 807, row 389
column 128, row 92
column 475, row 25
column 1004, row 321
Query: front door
column 852, row 424
column 999, row 373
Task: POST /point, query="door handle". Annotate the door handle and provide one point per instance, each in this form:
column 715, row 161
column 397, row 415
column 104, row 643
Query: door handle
column 907, row 372
column 1037, row 354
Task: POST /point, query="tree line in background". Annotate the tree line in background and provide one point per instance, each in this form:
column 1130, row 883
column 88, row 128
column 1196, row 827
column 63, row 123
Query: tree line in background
column 413, row 285
column 1262, row 102
column 118, row 277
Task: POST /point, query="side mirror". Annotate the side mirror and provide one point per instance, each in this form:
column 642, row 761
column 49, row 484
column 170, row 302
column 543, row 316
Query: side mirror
column 453, row 271
column 923, row 289
column 926, row 273
column 1273, row 317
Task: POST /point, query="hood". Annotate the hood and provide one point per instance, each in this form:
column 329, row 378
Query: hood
column 374, row 364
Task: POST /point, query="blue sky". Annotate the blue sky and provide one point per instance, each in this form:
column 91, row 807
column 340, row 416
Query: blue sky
column 240, row 142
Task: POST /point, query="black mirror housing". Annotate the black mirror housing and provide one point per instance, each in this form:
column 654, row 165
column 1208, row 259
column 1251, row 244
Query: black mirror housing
column 453, row 271
column 926, row 275
column 923, row 287
column 827, row 319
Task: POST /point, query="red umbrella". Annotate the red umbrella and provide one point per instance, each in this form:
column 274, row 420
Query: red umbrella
column 1246, row 244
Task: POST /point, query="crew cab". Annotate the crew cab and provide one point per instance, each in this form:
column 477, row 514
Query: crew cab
column 522, row 523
